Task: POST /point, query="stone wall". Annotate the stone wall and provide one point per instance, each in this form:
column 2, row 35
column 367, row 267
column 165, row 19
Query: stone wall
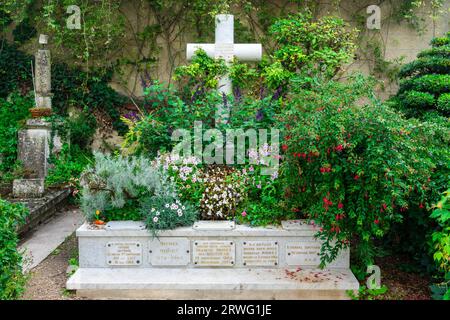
column 399, row 40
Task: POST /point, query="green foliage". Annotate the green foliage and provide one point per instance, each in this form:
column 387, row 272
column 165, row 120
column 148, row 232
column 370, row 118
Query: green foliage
column 100, row 36
column 13, row 112
column 443, row 103
column 164, row 212
column 66, row 168
column 15, row 70
column 89, row 92
column 24, row 31
column 116, row 185
column 365, row 293
column 441, row 242
column 12, row 280
column 425, row 82
column 81, row 129
column 152, row 132
column 202, row 70
column 355, row 169
column 312, row 46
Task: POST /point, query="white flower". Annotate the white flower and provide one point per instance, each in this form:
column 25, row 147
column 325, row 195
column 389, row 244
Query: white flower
column 155, row 219
column 157, row 213
column 167, row 205
column 183, row 207
column 180, row 213
column 153, row 210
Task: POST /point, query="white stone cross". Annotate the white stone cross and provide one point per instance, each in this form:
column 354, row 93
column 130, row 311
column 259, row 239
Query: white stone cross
column 225, row 48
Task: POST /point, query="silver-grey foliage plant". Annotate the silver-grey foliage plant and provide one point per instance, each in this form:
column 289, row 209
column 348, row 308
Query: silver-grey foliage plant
column 113, row 179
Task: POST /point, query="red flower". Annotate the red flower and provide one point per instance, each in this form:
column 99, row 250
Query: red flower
column 339, row 148
column 287, row 138
column 376, row 221
column 284, row 147
column 421, row 206
column 340, row 205
column 356, row 177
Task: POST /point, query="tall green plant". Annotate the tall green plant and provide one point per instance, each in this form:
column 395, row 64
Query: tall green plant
column 12, row 280
column 441, row 242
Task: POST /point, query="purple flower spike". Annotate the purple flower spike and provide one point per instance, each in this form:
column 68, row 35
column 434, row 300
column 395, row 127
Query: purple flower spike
column 259, row 115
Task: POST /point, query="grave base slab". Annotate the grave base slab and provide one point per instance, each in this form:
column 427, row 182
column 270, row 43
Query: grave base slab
column 124, row 261
column 213, row 284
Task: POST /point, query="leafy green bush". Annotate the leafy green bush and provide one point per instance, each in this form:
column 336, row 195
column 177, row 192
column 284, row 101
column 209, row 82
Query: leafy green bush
column 355, row 169
column 441, row 242
column 425, row 81
column 152, row 132
column 443, row 103
column 12, row 280
column 311, row 46
column 13, row 113
column 66, row 168
column 15, row 70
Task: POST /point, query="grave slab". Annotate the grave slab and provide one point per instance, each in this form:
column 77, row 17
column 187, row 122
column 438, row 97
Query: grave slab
column 233, row 284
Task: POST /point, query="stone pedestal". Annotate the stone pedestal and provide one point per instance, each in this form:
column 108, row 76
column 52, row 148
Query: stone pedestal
column 200, row 263
column 33, row 153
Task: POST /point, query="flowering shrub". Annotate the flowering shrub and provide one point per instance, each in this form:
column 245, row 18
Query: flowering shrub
column 186, row 173
column 166, row 212
column 354, row 169
column 264, row 204
column 224, row 190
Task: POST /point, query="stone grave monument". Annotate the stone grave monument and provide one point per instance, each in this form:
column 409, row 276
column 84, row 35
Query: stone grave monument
column 211, row 259
column 34, row 147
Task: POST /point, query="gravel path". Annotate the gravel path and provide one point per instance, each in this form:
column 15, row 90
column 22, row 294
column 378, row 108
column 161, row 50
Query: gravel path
column 47, row 281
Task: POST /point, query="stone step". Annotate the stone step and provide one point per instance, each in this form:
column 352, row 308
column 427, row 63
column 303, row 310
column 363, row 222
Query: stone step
column 212, row 283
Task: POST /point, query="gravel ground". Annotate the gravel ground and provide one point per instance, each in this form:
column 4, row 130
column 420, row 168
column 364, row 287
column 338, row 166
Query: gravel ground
column 47, row 281
column 402, row 285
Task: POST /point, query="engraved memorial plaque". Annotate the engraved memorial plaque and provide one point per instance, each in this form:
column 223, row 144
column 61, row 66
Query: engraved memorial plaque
column 304, row 253
column 216, row 253
column 260, row 253
column 123, row 253
column 224, row 51
column 169, row 252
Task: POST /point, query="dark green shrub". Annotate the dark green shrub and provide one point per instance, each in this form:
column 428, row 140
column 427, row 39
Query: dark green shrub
column 425, row 80
column 13, row 112
column 15, row 70
column 12, row 280
column 443, row 103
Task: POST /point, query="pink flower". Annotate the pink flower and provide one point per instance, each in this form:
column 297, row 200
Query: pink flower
column 244, row 213
column 340, row 205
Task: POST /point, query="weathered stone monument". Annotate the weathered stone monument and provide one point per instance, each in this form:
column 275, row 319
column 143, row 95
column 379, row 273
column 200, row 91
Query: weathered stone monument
column 35, row 142
column 225, row 48
column 211, row 259
column 34, row 139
